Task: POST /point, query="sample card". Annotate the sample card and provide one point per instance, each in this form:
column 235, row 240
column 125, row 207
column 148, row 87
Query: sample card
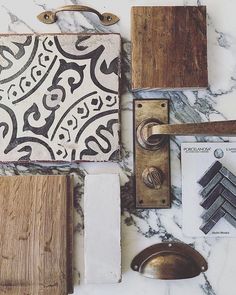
column 209, row 189
column 59, row 97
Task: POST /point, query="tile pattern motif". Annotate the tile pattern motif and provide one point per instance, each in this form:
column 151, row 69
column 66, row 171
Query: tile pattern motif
column 59, row 97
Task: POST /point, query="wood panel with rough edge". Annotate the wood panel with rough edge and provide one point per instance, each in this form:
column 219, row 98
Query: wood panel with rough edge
column 34, row 243
column 169, row 47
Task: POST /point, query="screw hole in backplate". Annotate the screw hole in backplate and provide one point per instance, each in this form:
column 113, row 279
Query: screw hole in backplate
column 140, row 105
column 163, row 105
column 140, row 201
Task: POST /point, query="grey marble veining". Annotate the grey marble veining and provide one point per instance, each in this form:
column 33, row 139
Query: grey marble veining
column 141, row 228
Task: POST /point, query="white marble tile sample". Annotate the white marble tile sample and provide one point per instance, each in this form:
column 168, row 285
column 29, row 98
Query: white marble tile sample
column 102, row 238
column 59, row 97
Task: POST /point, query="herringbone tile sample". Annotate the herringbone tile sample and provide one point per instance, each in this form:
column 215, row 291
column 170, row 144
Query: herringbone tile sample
column 36, row 235
column 219, row 196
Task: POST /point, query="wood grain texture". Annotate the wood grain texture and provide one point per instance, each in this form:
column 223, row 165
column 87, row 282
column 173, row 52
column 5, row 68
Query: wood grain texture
column 169, row 47
column 34, row 242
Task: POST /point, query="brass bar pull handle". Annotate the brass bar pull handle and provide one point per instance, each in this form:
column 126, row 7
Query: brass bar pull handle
column 50, row 17
column 207, row 128
column 152, row 134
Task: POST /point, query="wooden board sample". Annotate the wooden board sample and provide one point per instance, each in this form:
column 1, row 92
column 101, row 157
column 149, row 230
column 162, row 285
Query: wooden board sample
column 169, row 47
column 59, row 97
column 35, row 235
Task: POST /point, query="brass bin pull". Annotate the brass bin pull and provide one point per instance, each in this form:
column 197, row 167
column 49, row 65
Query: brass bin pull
column 169, row 261
column 151, row 134
column 50, row 17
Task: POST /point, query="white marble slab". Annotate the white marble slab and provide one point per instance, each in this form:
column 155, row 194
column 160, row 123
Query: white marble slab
column 141, row 228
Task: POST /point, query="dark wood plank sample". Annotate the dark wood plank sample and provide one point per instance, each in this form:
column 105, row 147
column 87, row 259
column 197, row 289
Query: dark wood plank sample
column 169, row 47
column 35, row 235
column 207, row 226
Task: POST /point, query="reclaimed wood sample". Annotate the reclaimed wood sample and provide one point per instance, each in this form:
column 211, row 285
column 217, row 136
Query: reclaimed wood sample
column 59, row 97
column 35, row 235
column 169, row 47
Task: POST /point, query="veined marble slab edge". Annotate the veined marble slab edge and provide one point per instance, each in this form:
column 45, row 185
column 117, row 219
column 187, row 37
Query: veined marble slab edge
column 141, row 228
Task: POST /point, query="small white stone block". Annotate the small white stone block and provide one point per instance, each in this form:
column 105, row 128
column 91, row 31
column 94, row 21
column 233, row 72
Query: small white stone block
column 102, row 241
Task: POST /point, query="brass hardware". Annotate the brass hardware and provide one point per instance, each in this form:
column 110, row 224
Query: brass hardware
column 152, row 133
column 153, row 177
column 221, row 128
column 169, row 261
column 151, row 147
column 50, row 17
column 143, row 135
column 152, row 181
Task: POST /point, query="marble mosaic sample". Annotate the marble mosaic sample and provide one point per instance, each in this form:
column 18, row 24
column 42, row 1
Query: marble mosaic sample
column 209, row 189
column 219, row 193
column 59, row 97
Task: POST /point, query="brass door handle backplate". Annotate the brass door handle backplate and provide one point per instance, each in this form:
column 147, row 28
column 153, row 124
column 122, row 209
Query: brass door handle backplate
column 50, row 17
column 152, row 180
column 151, row 149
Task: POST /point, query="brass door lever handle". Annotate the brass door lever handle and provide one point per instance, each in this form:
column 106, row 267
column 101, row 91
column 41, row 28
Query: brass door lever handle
column 151, row 134
column 152, row 149
column 50, row 17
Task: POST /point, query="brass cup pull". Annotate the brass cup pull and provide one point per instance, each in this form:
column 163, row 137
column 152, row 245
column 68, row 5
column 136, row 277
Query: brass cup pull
column 169, row 261
column 50, row 17
column 151, row 134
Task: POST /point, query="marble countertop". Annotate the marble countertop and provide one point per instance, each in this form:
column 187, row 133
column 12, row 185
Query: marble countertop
column 142, row 228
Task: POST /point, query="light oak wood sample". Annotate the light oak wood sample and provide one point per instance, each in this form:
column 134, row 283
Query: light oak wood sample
column 169, row 47
column 35, row 235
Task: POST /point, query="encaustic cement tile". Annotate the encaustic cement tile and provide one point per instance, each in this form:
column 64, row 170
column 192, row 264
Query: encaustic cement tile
column 59, row 97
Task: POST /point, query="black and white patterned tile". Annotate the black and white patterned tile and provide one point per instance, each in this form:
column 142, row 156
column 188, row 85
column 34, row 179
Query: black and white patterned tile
column 59, row 97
